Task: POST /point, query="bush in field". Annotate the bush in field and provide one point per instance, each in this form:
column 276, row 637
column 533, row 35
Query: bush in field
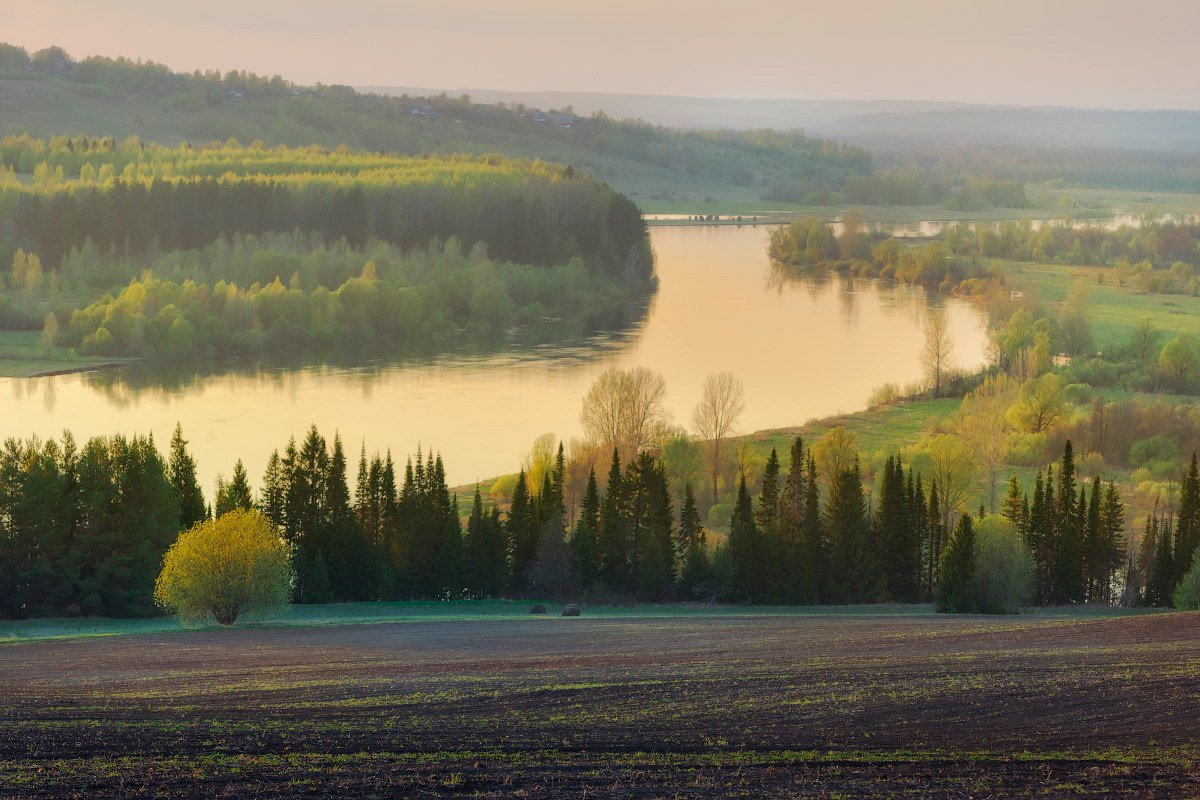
column 1187, row 593
column 226, row 567
column 1003, row 566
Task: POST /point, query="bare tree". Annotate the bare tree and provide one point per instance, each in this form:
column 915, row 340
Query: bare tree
column 722, row 402
column 937, row 350
column 625, row 409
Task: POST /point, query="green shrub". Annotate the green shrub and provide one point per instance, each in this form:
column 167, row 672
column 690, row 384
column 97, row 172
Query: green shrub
column 1187, row 593
column 1003, row 566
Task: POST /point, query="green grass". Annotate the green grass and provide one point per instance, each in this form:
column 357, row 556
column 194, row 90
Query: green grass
column 15, row 631
column 1115, row 310
column 889, row 428
column 21, row 356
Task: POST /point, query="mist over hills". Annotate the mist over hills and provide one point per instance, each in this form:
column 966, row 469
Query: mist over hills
column 881, row 123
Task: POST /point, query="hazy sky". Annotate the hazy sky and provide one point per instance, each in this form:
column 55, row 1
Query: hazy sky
column 1110, row 53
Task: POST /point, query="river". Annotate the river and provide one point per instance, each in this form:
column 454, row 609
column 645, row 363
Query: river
column 804, row 348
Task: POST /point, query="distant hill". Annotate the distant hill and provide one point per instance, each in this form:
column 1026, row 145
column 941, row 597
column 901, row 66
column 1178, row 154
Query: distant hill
column 48, row 93
column 888, row 123
column 1041, row 127
column 695, row 113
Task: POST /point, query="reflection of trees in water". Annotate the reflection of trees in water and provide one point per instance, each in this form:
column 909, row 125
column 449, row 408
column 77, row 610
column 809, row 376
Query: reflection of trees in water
column 893, row 298
column 595, row 337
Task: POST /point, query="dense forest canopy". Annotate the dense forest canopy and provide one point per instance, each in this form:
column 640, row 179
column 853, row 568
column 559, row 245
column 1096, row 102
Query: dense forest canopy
column 124, row 248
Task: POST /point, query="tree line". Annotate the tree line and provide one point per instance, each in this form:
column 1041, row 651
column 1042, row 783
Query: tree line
column 84, row 530
column 183, row 198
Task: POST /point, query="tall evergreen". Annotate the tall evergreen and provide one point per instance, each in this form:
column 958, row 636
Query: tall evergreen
column 1187, row 523
column 522, row 528
column 614, row 538
column 1014, row 509
column 773, row 554
column 585, row 545
column 898, row 548
column 181, row 468
column 655, row 569
column 1110, row 552
column 236, row 493
column 816, row 538
column 691, row 530
column 745, row 547
column 694, row 567
column 957, row 591
column 1069, row 523
column 1160, row 583
column 274, row 487
column 852, row 572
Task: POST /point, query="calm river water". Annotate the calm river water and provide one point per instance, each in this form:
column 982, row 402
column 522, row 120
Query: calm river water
column 803, row 349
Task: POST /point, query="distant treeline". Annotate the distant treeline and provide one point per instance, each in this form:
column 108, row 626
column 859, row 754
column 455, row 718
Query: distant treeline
column 1161, row 243
column 83, row 531
column 131, row 197
column 1123, row 169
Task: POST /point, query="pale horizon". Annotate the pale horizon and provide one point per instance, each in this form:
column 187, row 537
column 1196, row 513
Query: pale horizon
column 1099, row 55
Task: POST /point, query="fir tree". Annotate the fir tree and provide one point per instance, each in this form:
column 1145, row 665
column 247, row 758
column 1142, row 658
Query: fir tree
column 522, row 537
column 744, row 546
column 1015, row 507
column 614, row 538
column 957, row 591
column 852, row 573
column 236, row 493
column 181, row 468
column 1187, row 523
column 585, row 553
column 899, row 550
column 1160, row 583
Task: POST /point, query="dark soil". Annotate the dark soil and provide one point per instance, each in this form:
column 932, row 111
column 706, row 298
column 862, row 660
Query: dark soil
column 803, row 706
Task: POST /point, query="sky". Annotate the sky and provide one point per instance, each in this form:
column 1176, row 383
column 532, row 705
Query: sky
column 1090, row 53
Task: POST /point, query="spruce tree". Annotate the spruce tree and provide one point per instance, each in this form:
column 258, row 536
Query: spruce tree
column 236, row 493
column 274, row 488
column 816, row 539
column 478, row 570
column 1187, row 523
column 614, row 539
column 1112, row 550
column 852, row 573
column 522, row 539
column 772, row 556
column 744, row 546
column 585, row 553
column 181, row 468
column 1014, row 505
column 1160, row 583
column 691, row 531
column 957, row 591
column 898, row 549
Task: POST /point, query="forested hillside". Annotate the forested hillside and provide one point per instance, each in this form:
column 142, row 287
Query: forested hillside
column 47, row 93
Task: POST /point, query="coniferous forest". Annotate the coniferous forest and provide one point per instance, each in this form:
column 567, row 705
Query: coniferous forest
column 88, row 525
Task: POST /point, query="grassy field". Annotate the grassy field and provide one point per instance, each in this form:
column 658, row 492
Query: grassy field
column 785, row 705
column 31, row 630
column 1115, row 311
column 22, row 356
